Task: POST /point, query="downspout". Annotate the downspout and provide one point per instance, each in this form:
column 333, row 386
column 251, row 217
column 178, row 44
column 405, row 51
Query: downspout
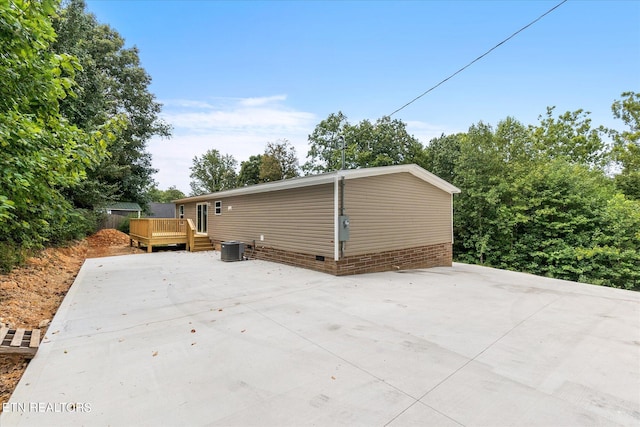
column 342, row 212
column 336, row 219
column 452, row 233
column 342, row 140
column 342, row 148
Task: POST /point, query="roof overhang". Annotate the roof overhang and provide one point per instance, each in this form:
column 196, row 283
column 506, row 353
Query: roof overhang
column 327, row 178
column 413, row 169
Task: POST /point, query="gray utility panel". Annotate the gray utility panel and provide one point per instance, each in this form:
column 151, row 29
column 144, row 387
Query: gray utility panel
column 343, row 228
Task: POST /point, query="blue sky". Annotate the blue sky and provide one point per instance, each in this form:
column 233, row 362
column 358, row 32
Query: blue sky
column 236, row 75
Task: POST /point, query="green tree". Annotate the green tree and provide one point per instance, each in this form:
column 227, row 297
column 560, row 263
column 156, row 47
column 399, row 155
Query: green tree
column 250, row 171
column 570, row 136
column 536, row 199
column 213, row 172
column 383, row 143
column 483, row 166
column 441, row 156
column 627, row 144
column 111, row 82
column 480, row 172
column 557, row 208
column 164, row 196
column 278, row 162
column 41, row 152
column 325, row 144
column 613, row 259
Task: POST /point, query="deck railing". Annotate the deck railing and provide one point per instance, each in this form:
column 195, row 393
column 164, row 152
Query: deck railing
column 157, row 227
column 158, row 231
column 191, row 234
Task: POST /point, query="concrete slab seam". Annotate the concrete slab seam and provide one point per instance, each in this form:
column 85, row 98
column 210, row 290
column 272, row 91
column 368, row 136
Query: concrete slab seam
column 471, row 360
column 332, row 353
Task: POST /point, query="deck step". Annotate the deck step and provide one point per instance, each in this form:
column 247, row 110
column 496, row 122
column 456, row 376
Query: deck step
column 202, row 243
column 19, row 341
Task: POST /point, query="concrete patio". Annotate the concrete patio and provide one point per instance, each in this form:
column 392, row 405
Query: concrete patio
column 179, row 338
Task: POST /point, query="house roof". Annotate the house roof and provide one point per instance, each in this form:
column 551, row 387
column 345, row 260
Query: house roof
column 326, row 178
column 123, row 206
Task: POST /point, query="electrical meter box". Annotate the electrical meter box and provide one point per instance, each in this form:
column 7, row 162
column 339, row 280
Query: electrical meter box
column 343, row 228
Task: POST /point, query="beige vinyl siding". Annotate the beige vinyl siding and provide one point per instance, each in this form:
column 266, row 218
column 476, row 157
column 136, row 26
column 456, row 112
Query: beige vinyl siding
column 395, row 211
column 189, row 211
column 297, row 220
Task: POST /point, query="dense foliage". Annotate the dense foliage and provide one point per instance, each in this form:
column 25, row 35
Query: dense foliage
column 75, row 114
column 627, row 144
column 383, row 143
column 538, row 199
column 111, row 82
column 41, row 153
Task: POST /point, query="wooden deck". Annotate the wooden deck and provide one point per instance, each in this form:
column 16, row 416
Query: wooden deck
column 19, row 341
column 152, row 232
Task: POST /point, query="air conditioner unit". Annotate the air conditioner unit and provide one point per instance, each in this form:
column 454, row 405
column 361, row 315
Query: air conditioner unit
column 232, row 251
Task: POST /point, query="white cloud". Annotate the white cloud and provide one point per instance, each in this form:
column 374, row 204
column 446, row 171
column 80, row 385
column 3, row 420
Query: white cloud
column 239, row 119
column 254, row 102
column 186, row 103
column 425, row 132
column 237, row 126
column 240, row 127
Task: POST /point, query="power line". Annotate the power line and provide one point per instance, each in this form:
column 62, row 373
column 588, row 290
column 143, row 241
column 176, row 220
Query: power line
column 481, row 56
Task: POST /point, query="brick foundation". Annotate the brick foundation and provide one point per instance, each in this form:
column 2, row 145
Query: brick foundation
column 296, row 259
column 439, row 255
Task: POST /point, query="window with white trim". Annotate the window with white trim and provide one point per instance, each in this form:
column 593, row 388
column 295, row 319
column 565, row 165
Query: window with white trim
column 181, row 211
column 218, row 207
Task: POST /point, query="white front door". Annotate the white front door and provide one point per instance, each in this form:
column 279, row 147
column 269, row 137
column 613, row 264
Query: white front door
column 201, row 218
